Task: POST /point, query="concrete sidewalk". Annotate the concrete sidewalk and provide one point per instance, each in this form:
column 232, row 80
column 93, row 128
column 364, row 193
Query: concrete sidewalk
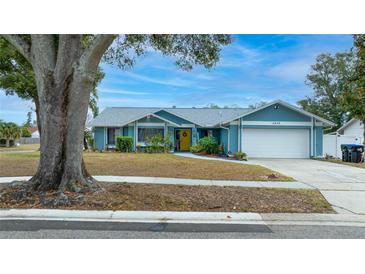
column 180, row 181
column 201, row 157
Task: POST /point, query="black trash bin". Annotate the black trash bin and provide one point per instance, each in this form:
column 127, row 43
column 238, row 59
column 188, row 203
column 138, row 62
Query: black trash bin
column 356, row 153
column 352, row 153
column 345, row 153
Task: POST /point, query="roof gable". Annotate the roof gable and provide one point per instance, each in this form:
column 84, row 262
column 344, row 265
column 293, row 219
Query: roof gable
column 289, row 106
column 277, row 112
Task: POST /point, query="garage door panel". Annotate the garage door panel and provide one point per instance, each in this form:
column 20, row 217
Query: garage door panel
column 276, row 143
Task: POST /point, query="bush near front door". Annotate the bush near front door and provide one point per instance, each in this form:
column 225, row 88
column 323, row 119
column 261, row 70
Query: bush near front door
column 207, row 145
column 124, row 143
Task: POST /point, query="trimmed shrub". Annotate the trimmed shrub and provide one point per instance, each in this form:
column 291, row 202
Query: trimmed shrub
column 196, row 149
column 241, row 156
column 209, row 145
column 124, row 144
column 167, row 143
column 155, row 144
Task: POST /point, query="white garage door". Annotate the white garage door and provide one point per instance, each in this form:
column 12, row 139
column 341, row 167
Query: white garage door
column 276, row 143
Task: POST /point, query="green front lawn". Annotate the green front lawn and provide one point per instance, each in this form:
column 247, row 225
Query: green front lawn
column 144, row 164
column 29, row 147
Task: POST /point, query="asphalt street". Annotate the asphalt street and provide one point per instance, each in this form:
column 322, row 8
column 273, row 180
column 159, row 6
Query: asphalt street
column 109, row 230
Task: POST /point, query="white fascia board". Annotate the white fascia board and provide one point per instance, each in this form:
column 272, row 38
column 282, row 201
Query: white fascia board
column 187, row 125
column 151, row 124
column 274, row 123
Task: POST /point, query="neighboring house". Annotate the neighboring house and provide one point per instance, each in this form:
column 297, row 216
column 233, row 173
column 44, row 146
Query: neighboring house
column 352, row 128
column 349, row 133
column 275, row 130
column 34, row 131
column 34, row 139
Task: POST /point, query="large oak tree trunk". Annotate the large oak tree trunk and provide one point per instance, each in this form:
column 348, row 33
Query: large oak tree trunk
column 63, row 109
column 65, row 72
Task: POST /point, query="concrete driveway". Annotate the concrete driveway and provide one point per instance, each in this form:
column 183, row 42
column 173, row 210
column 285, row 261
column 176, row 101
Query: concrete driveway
column 343, row 186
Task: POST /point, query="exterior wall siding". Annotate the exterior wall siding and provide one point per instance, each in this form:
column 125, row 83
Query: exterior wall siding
column 233, row 138
column 99, row 136
column 224, row 139
column 282, row 113
column 318, row 134
column 171, row 130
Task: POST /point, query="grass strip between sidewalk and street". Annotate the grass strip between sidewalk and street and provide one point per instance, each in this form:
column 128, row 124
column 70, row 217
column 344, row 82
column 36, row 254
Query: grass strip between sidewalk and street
column 155, row 197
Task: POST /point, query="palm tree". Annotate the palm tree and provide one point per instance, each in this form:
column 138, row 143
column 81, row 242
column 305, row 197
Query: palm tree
column 10, row 131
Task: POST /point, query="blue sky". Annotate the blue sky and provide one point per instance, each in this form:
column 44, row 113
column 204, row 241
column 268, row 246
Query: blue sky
column 253, row 68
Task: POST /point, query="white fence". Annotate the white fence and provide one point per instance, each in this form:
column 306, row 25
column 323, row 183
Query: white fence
column 332, row 144
column 29, row 140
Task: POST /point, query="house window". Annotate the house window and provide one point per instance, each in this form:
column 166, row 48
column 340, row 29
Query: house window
column 144, row 133
column 111, row 136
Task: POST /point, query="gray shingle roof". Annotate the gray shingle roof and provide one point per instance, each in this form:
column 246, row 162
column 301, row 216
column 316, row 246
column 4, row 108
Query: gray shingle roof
column 208, row 116
column 205, row 117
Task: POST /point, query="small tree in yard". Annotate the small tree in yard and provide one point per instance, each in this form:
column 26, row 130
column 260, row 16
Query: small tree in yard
column 26, row 132
column 65, row 69
column 9, row 132
column 354, row 95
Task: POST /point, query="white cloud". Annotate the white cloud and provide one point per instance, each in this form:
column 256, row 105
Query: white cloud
column 293, row 71
column 177, row 82
column 122, row 91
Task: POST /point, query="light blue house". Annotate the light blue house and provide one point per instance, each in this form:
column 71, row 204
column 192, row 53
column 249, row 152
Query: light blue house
column 275, row 130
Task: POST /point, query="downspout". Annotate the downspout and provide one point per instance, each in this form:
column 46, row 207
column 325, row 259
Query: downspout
column 135, row 135
column 336, row 141
column 105, row 138
column 312, row 143
column 240, row 140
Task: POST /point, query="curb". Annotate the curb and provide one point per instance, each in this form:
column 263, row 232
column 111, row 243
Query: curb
column 132, row 216
column 184, row 217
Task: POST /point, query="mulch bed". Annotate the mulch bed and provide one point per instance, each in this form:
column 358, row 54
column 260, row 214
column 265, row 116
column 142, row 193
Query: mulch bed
column 224, row 157
column 154, row 197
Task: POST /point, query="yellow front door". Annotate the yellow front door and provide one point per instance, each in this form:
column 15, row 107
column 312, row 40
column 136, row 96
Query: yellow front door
column 185, row 139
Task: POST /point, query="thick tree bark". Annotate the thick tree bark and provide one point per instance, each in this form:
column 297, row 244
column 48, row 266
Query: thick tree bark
column 62, row 120
column 65, row 73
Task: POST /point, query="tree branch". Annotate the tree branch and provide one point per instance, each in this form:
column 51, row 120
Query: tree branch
column 22, row 46
column 91, row 57
column 69, row 51
column 44, row 51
